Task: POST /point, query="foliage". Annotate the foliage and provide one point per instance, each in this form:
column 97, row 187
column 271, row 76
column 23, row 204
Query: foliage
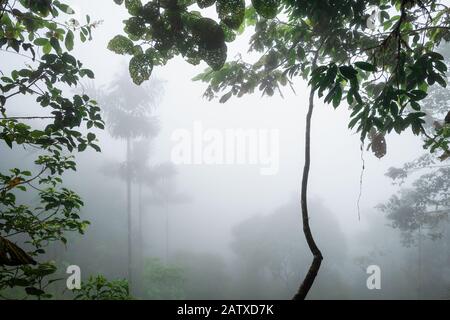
column 161, row 281
column 129, row 108
column 99, row 288
column 383, row 73
column 33, row 32
column 425, row 204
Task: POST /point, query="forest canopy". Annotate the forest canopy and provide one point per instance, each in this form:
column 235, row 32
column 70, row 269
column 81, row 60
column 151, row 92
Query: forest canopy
column 381, row 59
column 382, row 68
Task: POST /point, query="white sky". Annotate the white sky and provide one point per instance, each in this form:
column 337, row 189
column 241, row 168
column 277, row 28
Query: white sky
column 225, row 195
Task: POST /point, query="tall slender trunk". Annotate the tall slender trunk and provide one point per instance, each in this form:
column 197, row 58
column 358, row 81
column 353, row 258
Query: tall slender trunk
column 140, row 219
column 167, row 231
column 139, row 260
column 419, row 275
column 317, row 255
column 130, row 246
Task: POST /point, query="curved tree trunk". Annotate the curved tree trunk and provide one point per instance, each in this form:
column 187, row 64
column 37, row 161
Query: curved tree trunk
column 317, row 255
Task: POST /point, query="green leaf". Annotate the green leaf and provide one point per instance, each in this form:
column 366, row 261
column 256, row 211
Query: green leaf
column 34, row 291
column 20, row 282
column 121, row 45
column 140, row 68
column 348, row 72
column 133, row 6
column 90, row 136
column 81, row 148
column 55, row 44
column 69, row 40
column 266, row 8
column 41, row 42
column 417, row 95
column 226, row 97
column 8, row 141
column 366, row 66
column 63, row 7
column 88, row 73
column 96, row 147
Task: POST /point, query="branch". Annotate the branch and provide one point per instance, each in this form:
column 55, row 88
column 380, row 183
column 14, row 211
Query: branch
column 27, row 118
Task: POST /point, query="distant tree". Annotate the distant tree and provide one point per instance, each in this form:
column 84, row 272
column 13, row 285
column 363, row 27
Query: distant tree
column 130, row 116
column 149, row 176
column 426, row 203
column 381, row 71
column 35, row 36
column 421, row 210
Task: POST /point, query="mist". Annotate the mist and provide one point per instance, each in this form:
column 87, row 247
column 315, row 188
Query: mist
column 225, row 230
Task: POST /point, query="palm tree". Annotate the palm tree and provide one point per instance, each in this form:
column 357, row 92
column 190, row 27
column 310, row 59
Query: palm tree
column 128, row 110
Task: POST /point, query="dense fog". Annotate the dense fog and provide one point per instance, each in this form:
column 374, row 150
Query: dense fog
column 233, row 230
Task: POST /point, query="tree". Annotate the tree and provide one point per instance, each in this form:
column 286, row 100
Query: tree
column 129, row 115
column 421, row 210
column 54, row 124
column 381, row 72
column 426, row 204
column 150, row 176
column 151, row 181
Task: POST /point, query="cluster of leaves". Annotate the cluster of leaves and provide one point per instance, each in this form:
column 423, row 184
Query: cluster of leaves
column 32, row 30
column 424, row 206
column 99, row 288
column 421, row 208
column 382, row 73
column 159, row 30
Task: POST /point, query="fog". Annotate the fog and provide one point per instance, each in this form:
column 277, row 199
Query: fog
column 227, row 231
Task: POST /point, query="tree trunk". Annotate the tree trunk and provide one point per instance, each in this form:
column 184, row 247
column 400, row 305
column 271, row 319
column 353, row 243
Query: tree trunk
column 167, row 231
column 130, row 246
column 317, row 255
column 140, row 219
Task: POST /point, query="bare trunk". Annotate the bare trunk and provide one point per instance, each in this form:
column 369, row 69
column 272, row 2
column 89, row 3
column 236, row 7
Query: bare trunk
column 140, row 219
column 167, row 232
column 130, row 246
column 317, row 255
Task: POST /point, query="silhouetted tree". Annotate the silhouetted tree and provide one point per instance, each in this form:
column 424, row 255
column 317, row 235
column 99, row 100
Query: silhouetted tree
column 130, row 116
